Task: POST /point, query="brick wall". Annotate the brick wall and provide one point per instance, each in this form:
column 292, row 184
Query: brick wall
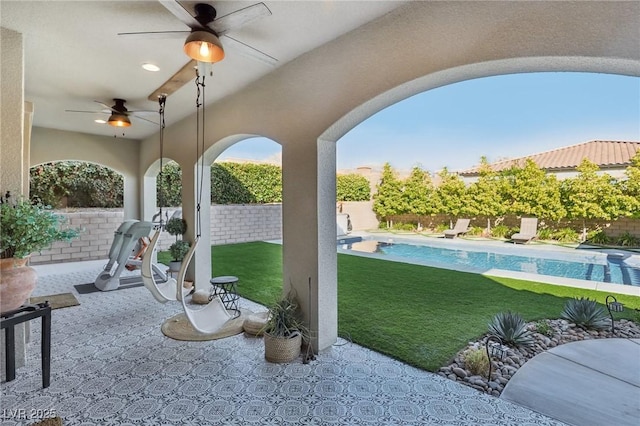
column 229, row 224
column 94, row 242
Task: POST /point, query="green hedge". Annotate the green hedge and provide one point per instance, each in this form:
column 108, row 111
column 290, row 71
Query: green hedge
column 91, row 185
column 83, row 185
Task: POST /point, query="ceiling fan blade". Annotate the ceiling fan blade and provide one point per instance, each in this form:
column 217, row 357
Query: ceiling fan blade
column 249, row 51
column 139, row 112
column 181, row 13
column 183, row 76
column 239, row 18
column 144, row 119
column 88, row 112
column 107, row 107
column 155, row 34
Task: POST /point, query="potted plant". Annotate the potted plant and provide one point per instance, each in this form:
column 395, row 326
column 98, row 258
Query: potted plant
column 177, row 227
column 25, row 228
column 284, row 331
column 178, row 251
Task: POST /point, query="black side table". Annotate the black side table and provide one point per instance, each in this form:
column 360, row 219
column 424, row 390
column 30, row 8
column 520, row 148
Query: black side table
column 26, row 313
column 226, row 288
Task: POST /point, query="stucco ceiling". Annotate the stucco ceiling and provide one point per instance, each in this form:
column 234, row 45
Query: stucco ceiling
column 73, row 55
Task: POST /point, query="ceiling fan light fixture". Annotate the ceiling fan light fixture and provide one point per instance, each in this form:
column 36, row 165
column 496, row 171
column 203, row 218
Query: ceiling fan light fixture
column 119, row 120
column 204, row 46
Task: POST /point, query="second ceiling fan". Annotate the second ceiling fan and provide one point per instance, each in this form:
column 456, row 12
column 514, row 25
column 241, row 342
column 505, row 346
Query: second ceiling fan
column 202, row 42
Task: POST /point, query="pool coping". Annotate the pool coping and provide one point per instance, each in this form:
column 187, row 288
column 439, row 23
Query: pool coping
column 545, row 251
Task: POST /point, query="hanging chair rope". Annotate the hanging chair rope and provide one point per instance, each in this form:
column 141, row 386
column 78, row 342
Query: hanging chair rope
column 161, row 101
column 200, row 126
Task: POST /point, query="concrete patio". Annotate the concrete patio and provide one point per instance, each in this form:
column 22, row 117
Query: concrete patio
column 593, row 382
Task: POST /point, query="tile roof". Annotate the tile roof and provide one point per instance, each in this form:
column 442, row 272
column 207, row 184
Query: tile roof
column 606, row 154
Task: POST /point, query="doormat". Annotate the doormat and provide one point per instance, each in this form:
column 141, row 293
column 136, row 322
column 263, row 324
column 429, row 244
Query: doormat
column 91, row 288
column 57, row 301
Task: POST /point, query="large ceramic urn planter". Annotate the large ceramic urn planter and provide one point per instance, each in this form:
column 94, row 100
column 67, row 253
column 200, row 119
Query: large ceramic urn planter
column 282, row 349
column 17, row 282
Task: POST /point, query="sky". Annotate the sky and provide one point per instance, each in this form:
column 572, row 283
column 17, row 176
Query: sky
column 499, row 117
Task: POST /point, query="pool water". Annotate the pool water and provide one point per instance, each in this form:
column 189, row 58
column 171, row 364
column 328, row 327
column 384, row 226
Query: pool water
column 609, row 268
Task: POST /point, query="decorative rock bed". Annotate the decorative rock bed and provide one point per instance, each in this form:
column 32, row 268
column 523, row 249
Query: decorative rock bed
column 561, row 331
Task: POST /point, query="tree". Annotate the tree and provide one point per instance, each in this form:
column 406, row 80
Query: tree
column 352, row 187
column 388, row 198
column 486, row 194
column 590, row 195
column 451, row 196
column 417, row 194
column 530, row 191
column 631, row 187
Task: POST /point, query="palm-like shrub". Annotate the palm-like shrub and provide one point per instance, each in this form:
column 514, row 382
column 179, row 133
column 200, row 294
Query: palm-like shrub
column 598, row 237
column 545, row 234
column 566, row 235
column 628, row 240
column 585, row 313
column 500, row 231
column 511, row 328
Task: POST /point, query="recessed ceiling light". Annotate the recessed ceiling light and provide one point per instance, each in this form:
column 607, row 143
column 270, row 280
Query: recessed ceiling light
column 150, row 67
column 100, row 121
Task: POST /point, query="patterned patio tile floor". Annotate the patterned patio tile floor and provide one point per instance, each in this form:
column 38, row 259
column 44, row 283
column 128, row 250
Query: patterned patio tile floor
column 111, row 365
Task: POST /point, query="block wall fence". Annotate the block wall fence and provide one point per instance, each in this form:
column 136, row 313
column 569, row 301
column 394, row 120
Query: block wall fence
column 229, row 224
column 243, row 223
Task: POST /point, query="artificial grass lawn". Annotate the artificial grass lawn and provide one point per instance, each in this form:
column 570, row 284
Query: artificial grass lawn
column 420, row 315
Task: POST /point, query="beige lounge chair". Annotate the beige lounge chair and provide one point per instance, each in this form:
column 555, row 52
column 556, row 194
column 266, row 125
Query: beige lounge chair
column 528, row 230
column 462, row 227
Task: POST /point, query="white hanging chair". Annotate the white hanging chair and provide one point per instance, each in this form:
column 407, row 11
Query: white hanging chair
column 163, row 291
column 211, row 317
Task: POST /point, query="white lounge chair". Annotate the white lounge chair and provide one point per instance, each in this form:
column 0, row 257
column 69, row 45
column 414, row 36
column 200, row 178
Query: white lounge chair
column 461, row 228
column 528, row 230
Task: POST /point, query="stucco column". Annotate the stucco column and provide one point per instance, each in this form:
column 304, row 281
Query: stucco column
column 130, row 195
column 309, row 235
column 12, row 162
column 148, row 196
column 200, row 269
column 14, row 158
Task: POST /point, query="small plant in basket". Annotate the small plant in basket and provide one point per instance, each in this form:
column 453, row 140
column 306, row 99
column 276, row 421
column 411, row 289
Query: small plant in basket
column 284, row 331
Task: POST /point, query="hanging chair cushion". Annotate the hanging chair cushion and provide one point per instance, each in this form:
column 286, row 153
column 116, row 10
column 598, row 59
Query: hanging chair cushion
column 201, row 296
column 255, row 323
column 178, row 327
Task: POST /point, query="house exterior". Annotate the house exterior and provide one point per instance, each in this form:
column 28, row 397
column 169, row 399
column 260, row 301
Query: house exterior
column 613, row 157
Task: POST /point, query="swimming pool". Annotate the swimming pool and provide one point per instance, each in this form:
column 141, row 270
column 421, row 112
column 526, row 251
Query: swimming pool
column 615, row 267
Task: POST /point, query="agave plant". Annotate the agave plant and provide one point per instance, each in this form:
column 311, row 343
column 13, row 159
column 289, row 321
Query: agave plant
column 511, row 328
column 586, row 313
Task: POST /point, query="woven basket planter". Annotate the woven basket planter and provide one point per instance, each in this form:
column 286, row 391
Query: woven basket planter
column 282, row 349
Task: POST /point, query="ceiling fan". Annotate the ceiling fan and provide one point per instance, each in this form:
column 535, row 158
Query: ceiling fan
column 119, row 114
column 202, row 42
